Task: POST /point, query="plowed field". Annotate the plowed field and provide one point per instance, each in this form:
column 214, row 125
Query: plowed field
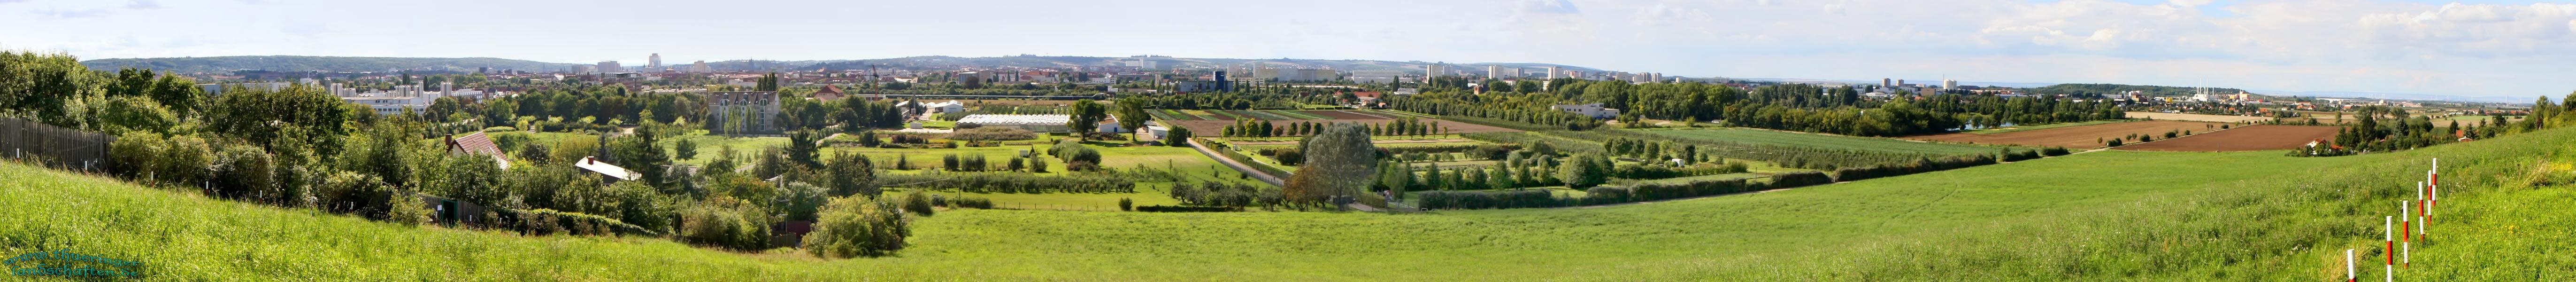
column 2248, row 138
column 2080, row 137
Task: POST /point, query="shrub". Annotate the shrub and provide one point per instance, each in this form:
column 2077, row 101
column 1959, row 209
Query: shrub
column 2019, row 155
column 238, row 169
column 1492, row 200
column 1078, row 154
column 1286, row 156
column 1125, row 204
column 351, row 192
column 1187, row 209
column 134, row 154
column 1657, row 192
column 919, row 203
column 184, row 160
column 1918, row 166
column 1799, row 179
column 973, row 203
column 644, row 207
column 2055, row 151
column 1222, row 194
column 547, row 221
column 857, row 226
column 1606, row 195
column 406, row 208
column 1000, row 182
column 724, row 222
column 804, row 201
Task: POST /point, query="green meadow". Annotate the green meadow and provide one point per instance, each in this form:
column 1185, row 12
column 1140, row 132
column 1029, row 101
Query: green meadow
column 2110, row 215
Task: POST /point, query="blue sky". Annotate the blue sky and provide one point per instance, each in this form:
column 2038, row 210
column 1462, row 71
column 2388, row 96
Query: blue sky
column 2465, row 48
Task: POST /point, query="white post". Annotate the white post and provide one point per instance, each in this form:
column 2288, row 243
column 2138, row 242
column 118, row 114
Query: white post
column 2351, row 271
column 2388, row 228
column 2408, row 237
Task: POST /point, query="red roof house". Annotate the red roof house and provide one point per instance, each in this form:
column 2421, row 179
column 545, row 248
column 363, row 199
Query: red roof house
column 478, row 144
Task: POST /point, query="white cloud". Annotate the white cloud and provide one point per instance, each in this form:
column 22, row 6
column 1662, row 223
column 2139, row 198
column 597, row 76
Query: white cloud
column 1548, row 7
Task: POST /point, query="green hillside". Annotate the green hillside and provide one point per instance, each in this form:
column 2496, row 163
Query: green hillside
column 2112, row 215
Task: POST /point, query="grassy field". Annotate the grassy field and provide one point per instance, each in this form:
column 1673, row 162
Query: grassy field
column 2111, row 215
column 1821, row 140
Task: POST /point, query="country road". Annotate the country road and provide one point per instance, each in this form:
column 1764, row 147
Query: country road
column 1238, row 166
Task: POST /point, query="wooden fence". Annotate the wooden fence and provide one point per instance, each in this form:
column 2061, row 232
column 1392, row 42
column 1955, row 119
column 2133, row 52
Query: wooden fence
column 55, row 146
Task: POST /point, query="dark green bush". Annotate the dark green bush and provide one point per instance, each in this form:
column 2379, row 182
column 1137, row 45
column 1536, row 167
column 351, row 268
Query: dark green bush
column 1187, row 209
column 726, row 223
column 855, row 226
column 1799, row 179
column 918, row 203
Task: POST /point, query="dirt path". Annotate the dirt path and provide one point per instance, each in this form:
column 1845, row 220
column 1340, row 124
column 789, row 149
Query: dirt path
column 1238, row 166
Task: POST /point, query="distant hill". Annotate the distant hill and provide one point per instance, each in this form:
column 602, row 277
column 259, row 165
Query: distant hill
column 363, row 64
column 319, row 63
column 1413, row 67
column 2112, row 89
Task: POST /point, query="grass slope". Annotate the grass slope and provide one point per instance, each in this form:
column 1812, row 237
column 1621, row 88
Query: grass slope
column 2112, row 215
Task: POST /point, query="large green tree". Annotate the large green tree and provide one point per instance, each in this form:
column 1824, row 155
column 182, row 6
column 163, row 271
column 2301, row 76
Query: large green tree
column 1086, row 117
column 1132, row 116
column 1584, row 171
column 1338, row 163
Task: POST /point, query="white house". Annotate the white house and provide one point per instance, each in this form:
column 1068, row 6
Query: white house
column 951, row 106
column 613, row 172
column 934, row 108
column 1154, row 132
column 1593, row 110
column 1111, row 126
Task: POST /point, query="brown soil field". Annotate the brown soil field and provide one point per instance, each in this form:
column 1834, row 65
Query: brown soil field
column 2248, row 138
column 2080, row 137
column 1214, row 128
column 2197, row 117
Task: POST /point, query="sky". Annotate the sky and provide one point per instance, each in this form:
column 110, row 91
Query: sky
column 2464, row 48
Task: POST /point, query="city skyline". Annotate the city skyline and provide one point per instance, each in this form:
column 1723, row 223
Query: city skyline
column 2469, row 48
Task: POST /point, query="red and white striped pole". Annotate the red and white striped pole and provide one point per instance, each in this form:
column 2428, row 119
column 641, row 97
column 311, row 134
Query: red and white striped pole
column 2388, row 229
column 2351, row 271
column 2433, row 187
column 2405, row 236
